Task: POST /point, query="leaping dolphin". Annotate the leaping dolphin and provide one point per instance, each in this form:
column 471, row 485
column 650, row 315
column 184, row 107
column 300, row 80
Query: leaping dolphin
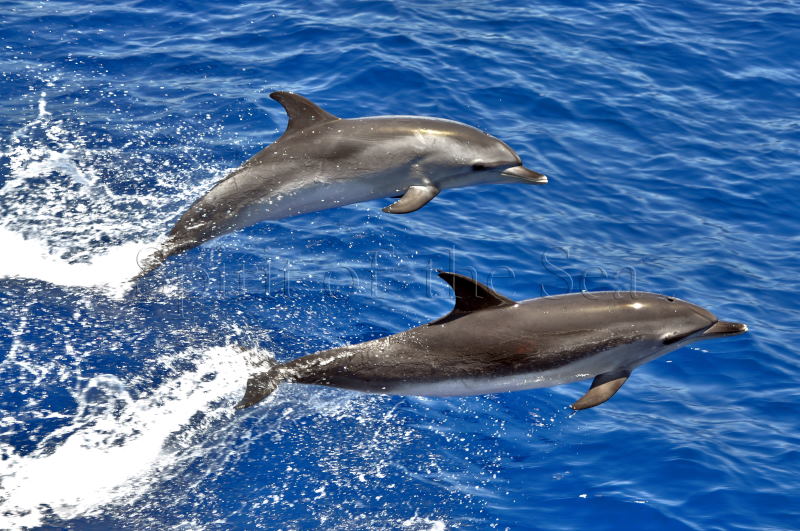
column 489, row 343
column 322, row 162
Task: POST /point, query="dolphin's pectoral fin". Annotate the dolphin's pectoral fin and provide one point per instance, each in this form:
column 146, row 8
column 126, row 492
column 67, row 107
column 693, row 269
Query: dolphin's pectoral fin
column 603, row 387
column 471, row 296
column 416, row 197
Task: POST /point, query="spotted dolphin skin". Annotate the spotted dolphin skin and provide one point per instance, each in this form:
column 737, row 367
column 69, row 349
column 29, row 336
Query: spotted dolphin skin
column 490, row 343
column 322, row 162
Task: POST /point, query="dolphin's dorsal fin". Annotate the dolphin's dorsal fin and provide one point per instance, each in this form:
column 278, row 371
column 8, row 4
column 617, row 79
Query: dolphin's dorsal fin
column 471, row 296
column 302, row 111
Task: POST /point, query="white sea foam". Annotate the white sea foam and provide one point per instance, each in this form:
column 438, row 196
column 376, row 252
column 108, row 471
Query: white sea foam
column 423, row 524
column 114, row 446
column 31, row 258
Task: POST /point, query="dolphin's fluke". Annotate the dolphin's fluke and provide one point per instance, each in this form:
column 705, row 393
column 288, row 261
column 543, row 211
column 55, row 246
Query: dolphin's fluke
column 171, row 247
column 150, row 263
column 262, row 384
column 259, row 387
column 603, row 387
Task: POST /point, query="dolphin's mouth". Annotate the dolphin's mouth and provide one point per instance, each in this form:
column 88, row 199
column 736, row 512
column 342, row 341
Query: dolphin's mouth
column 525, row 175
column 724, row 329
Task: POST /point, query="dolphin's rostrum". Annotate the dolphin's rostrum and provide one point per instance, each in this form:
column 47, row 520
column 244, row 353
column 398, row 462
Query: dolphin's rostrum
column 322, row 162
column 489, row 343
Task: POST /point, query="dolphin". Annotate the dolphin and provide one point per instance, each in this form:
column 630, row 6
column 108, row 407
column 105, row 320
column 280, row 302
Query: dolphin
column 322, row 162
column 489, row 343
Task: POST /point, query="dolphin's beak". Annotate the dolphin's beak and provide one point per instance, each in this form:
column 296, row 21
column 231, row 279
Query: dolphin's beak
column 523, row 174
column 724, row 329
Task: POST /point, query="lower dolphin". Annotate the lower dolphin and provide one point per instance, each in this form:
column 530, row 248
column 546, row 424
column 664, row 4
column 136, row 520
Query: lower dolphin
column 489, row 343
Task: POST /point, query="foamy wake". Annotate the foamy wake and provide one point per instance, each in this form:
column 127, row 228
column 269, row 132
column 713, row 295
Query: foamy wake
column 112, row 270
column 115, row 444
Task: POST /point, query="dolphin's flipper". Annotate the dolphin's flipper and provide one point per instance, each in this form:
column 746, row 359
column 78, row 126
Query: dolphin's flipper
column 603, row 387
column 415, row 198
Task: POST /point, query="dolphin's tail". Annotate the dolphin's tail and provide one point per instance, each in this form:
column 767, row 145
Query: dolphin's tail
column 259, row 387
column 171, row 247
column 150, row 263
column 262, row 384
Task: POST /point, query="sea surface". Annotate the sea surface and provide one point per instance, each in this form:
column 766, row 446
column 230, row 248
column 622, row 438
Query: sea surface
column 671, row 135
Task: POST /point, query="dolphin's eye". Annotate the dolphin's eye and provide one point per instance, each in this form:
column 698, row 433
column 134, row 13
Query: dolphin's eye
column 478, row 166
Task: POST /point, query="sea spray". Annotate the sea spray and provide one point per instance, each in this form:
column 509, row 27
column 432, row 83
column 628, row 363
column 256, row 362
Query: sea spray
column 114, row 446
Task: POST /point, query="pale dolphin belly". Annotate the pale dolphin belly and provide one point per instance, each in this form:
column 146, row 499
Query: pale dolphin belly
column 317, row 196
column 487, row 385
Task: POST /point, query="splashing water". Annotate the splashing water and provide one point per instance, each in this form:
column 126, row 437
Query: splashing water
column 64, row 217
column 115, row 443
column 27, row 161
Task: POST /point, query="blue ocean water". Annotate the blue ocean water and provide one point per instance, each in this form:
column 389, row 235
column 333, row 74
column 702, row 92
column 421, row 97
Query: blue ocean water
column 670, row 135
